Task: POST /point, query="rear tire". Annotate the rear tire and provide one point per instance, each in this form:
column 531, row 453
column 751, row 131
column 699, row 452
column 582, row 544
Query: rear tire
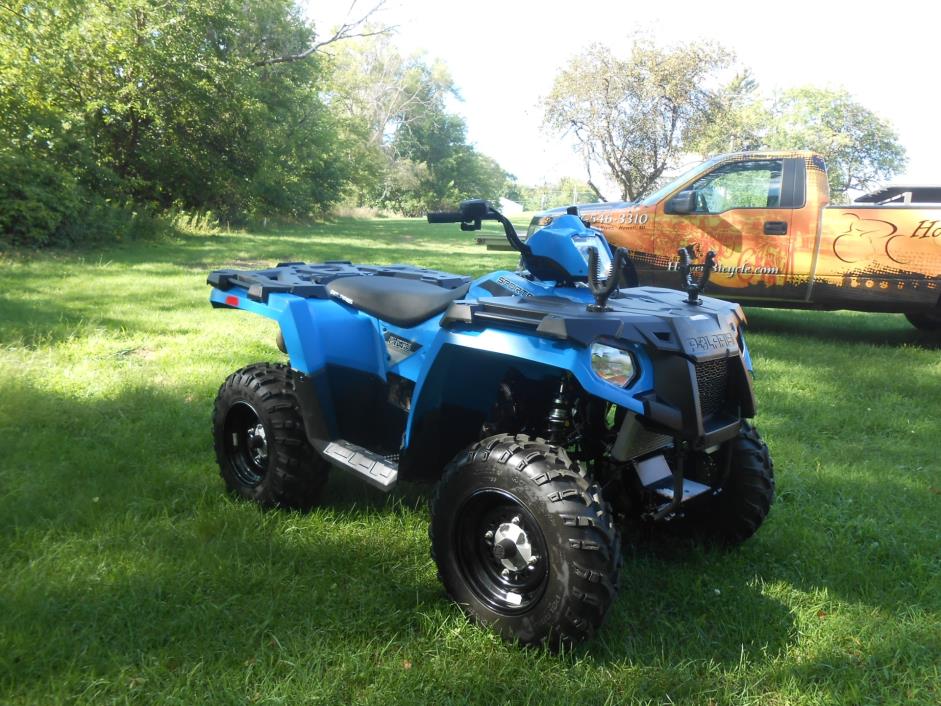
column 524, row 542
column 925, row 320
column 260, row 443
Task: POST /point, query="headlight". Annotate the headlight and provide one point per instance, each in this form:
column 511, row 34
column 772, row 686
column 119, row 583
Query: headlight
column 612, row 364
column 604, row 260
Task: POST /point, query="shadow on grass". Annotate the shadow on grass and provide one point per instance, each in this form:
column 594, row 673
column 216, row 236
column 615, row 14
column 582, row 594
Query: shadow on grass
column 58, row 318
column 891, row 330
column 120, row 545
column 217, row 586
column 120, row 548
column 899, row 670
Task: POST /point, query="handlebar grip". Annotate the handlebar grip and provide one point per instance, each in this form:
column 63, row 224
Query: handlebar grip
column 445, row 217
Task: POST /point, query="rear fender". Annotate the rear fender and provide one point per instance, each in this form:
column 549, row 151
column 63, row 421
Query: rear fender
column 335, row 347
column 316, row 332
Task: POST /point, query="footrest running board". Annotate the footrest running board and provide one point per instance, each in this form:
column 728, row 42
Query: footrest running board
column 691, row 489
column 655, row 475
column 371, row 467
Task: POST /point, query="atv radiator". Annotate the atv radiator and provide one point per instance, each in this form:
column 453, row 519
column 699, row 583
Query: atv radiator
column 634, row 440
column 712, row 379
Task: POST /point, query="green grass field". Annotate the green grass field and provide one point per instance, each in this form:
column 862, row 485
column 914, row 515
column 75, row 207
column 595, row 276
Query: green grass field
column 129, row 576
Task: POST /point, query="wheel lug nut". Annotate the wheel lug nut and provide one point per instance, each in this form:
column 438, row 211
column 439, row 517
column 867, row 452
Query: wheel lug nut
column 488, row 535
column 516, row 520
column 505, row 573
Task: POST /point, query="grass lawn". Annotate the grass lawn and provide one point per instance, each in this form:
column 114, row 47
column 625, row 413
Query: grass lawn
column 128, row 575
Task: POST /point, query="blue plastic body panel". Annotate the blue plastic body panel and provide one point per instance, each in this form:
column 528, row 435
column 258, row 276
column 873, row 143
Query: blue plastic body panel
column 561, row 241
column 319, row 332
column 316, row 332
column 464, row 360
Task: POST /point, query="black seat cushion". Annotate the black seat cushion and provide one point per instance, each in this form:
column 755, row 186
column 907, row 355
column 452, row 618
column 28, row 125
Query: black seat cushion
column 400, row 301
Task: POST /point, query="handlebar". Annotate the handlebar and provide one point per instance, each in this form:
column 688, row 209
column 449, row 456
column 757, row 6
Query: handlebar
column 445, row 217
column 472, row 213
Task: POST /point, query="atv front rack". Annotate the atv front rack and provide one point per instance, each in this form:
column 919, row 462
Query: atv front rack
column 630, row 317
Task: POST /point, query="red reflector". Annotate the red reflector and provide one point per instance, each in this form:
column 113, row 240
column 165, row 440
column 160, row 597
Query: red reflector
column 232, row 300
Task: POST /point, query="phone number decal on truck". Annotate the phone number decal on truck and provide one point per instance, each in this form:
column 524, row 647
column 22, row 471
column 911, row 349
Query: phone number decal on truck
column 621, row 218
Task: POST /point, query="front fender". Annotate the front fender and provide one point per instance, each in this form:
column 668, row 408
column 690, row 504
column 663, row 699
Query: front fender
column 466, row 366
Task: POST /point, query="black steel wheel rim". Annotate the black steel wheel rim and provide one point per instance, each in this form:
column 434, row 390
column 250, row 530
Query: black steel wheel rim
column 246, row 443
column 504, row 591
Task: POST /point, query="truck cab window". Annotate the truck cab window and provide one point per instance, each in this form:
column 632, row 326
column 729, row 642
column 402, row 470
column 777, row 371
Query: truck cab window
column 752, row 184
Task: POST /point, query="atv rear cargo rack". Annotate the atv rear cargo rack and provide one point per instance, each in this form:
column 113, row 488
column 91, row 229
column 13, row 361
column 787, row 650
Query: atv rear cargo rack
column 311, row 280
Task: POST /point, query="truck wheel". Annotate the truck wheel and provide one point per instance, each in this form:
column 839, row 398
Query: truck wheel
column 524, row 542
column 925, row 320
column 261, row 447
column 736, row 513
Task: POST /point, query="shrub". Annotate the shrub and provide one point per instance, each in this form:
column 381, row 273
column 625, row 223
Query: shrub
column 36, row 201
column 42, row 205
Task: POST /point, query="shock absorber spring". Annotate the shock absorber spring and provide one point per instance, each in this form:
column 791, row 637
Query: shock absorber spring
column 559, row 421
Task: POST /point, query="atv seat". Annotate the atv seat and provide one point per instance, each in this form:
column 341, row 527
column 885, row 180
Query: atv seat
column 398, row 300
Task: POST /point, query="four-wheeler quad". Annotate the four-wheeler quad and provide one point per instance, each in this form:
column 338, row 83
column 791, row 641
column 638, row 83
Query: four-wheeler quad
column 538, row 400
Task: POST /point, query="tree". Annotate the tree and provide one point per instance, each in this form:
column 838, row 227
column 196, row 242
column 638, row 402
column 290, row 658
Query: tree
column 564, row 192
column 634, row 118
column 378, row 93
column 445, row 169
column 861, row 149
column 170, row 104
column 417, row 150
column 740, row 122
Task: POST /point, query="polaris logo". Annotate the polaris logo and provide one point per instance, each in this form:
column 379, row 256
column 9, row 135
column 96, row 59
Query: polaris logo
column 715, row 342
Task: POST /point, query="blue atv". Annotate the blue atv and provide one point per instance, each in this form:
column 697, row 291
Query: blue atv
column 551, row 405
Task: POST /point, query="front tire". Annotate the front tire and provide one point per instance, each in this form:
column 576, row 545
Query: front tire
column 524, row 542
column 745, row 496
column 260, row 443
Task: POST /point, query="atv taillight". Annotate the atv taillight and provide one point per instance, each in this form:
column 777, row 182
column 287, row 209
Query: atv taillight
column 232, row 300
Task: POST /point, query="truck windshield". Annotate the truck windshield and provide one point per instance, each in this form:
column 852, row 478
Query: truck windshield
column 676, row 183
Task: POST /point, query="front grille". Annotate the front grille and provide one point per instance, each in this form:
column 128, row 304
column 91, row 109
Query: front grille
column 712, row 380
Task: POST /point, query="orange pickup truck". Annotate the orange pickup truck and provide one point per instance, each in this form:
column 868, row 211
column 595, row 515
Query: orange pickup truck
column 777, row 240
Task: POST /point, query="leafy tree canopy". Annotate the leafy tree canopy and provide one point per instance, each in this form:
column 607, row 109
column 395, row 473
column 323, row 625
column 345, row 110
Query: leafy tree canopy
column 861, row 149
column 634, row 117
column 639, row 117
column 417, row 150
column 171, row 103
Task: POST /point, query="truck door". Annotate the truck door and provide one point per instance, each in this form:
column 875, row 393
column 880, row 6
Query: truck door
column 743, row 210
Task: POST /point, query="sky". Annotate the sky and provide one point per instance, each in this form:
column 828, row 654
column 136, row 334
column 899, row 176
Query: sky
column 504, row 56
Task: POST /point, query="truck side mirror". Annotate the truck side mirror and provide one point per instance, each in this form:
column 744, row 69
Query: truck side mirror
column 683, row 202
